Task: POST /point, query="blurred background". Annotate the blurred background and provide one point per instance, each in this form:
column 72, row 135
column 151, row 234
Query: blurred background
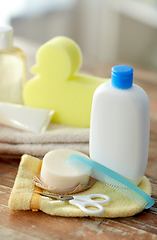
column 107, row 31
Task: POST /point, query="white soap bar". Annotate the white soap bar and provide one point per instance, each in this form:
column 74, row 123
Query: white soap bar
column 57, row 174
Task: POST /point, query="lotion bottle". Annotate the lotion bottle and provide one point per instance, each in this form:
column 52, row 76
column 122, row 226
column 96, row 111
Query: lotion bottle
column 120, row 122
column 12, row 68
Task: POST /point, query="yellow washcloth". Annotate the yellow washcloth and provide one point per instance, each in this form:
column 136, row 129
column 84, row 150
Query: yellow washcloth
column 23, row 196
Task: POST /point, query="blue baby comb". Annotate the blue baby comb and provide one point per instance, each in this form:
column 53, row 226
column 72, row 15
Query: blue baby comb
column 112, row 179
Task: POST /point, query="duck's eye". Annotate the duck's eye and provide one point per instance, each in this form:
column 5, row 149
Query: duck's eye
column 61, row 197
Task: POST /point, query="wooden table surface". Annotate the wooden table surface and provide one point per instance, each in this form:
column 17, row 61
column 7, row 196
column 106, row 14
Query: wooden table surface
column 38, row 225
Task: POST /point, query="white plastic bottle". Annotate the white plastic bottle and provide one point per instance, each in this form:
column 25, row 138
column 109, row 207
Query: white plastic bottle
column 120, row 122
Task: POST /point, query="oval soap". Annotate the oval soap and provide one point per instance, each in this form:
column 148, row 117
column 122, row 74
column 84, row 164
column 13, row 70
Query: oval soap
column 57, row 174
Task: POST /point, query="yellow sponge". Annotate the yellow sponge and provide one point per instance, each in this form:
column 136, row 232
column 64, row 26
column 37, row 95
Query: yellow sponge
column 57, row 86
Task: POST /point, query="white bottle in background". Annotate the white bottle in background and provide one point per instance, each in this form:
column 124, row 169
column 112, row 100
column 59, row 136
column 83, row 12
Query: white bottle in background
column 120, row 122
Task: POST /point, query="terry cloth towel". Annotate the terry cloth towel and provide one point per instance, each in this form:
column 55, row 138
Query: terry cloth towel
column 17, row 142
column 23, row 196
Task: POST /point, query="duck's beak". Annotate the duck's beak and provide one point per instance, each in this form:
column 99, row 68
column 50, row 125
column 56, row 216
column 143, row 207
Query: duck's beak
column 34, row 69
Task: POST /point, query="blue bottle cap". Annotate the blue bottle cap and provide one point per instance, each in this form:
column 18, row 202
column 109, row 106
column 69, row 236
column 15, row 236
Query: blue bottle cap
column 122, row 76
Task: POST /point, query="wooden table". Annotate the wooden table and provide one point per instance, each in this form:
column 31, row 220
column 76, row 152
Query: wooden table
column 38, row 225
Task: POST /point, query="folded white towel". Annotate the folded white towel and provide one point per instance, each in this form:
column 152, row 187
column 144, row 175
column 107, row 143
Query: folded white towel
column 17, row 142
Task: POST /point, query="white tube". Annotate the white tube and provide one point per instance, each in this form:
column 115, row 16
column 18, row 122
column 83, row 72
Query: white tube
column 25, row 118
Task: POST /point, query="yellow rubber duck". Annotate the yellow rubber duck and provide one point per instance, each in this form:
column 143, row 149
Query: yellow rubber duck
column 58, row 86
